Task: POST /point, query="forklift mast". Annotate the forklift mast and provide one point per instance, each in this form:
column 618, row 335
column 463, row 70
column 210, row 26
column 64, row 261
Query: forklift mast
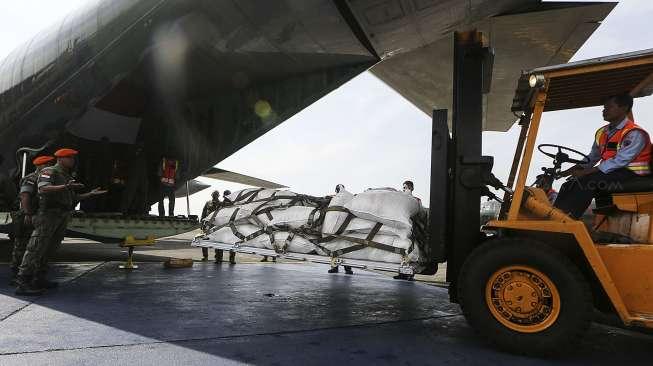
column 457, row 166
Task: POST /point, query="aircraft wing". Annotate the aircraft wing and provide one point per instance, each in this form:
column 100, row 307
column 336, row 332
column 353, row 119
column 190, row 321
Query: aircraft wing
column 194, row 186
column 227, row 176
column 543, row 34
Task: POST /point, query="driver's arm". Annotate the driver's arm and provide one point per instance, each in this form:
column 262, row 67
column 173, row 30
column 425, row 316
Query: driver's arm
column 594, row 157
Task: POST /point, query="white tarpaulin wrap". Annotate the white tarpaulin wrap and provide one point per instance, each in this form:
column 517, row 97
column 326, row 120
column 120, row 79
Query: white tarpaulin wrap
column 373, row 253
column 386, row 206
column 375, row 225
column 334, row 220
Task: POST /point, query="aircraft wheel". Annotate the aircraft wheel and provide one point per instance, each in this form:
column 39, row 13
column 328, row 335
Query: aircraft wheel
column 525, row 297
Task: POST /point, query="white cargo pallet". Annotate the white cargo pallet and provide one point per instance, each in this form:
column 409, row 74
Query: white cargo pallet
column 204, row 242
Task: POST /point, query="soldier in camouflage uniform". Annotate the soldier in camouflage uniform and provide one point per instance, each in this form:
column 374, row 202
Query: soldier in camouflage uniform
column 211, row 206
column 57, row 199
column 22, row 219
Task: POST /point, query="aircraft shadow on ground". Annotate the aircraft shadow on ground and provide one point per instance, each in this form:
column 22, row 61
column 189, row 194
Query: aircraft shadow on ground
column 203, row 307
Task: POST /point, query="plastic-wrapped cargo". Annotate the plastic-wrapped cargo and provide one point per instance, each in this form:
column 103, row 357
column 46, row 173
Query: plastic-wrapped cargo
column 252, row 236
column 340, row 219
column 386, row 206
column 375, row 225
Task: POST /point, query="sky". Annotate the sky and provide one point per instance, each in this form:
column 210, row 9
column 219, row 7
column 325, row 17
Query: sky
column 379, row 139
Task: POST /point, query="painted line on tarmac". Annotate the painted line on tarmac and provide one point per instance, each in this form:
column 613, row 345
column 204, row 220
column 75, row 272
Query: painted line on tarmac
column 237, row 336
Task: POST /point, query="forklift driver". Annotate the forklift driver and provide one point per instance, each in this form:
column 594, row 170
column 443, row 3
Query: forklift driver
column 623, row 151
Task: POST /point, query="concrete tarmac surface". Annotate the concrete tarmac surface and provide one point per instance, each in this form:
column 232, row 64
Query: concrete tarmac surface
column 254, row 313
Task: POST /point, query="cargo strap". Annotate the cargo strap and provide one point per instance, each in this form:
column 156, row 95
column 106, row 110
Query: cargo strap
column 311, row 218
column 249, row 196
column 307, row 231
column 249, row 237
column 362, row 244
column 345, row 223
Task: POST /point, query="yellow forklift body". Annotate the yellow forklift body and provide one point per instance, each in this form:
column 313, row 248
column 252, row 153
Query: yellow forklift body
column 623, row 270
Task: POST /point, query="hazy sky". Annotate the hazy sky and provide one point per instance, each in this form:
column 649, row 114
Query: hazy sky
column 379, row 139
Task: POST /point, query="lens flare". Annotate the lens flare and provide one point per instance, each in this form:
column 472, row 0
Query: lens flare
column 262, row 109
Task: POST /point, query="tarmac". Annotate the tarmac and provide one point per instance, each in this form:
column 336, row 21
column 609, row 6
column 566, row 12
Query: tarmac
column 252, row 313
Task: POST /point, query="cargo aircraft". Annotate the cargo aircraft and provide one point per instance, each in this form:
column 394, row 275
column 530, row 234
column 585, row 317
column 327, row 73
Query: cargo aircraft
column 196, row 80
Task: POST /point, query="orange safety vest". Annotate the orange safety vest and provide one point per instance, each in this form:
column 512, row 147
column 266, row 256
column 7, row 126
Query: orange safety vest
column 610, row 147
column 169, row 172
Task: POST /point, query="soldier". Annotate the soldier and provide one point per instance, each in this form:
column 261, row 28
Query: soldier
column 348, row 270
column 22, row 219
column 211, row 206
column 226, row 202
column 57, row 199
column 408, row 188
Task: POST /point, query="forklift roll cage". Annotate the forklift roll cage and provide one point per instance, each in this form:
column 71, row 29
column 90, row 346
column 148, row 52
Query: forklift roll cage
column 623, row 270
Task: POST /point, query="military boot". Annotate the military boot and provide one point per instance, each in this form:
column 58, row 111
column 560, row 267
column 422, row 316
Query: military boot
column 405, row 277
column 333, row 270
column 218, row 256
column 205, row 254
column 26, row 287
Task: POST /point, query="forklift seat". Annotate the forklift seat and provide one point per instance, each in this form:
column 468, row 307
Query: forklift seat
column 635, row 185
column 603, row 198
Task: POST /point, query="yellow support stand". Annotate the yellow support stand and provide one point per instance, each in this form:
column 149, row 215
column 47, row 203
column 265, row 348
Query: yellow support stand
column 131, row 242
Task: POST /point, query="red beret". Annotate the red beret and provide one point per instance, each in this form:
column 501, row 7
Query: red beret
column 64, row 153
column 42, row 160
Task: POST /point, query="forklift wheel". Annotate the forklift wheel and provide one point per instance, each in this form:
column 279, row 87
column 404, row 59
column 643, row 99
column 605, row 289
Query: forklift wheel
column 525, row 296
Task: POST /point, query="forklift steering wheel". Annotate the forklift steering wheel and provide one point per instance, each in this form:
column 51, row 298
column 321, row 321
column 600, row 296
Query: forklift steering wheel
column 562, row 157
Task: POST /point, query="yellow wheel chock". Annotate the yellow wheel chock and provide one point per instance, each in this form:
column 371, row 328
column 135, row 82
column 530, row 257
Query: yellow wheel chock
column 131, row 242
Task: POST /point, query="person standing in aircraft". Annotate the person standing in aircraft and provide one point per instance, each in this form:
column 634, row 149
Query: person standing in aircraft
column 168, row 175
column 117, row 185
column 57, row 199
column 22, row 219
column 134, row 199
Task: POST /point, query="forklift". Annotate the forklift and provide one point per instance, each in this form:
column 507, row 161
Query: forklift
column 530, row 280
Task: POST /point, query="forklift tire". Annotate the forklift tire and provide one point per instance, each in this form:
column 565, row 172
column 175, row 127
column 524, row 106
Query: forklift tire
column 525, row 297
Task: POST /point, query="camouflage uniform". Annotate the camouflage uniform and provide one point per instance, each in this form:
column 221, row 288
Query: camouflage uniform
column 23, row 231
column 49, row 223
column 209, row 207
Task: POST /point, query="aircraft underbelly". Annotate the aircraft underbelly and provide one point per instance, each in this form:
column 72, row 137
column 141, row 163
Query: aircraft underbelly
column 191, row 69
